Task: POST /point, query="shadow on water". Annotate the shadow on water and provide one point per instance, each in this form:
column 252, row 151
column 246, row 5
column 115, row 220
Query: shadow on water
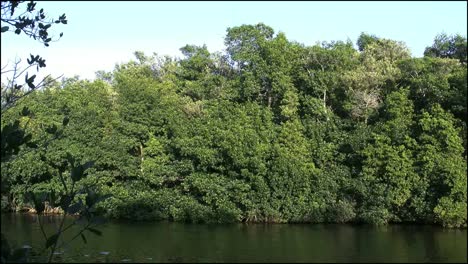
column 178, row 242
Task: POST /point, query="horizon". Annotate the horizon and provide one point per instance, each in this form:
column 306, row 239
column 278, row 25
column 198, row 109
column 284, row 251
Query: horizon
column 95, row 39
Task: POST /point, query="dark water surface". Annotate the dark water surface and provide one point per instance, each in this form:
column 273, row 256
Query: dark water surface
column 177, row 242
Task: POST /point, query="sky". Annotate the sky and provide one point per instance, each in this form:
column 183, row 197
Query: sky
column 100, row 34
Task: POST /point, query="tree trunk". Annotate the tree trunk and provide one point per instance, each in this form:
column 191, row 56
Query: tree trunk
column 325, row 103
column 325, row 99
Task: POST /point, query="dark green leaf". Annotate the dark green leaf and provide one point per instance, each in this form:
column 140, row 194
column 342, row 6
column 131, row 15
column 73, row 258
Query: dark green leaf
column 90, row 198
column 52, row 129
column 70, row 159
column 65, row 121
column 61, row 34
column 5, row 29
column 31, row 79
column 84, row 238
column 25, row 111
column 17, row 31
column 95, row 231
column 52, row 240
column 76, row 173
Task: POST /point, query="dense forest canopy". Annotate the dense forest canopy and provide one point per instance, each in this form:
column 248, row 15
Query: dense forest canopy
column 270, row 131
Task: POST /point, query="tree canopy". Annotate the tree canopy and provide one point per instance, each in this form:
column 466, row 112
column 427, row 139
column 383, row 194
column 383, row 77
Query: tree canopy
column 270, row 131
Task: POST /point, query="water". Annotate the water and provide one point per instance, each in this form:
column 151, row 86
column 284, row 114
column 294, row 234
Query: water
column 176, row 242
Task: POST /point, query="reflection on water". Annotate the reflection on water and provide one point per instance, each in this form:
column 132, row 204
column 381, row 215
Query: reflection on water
column 177, row 242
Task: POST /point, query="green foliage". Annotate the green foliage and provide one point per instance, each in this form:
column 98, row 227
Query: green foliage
column 272, row 131
column 388, row 175
column 434, row 80
column 341, row 212
column 442, row 165
column 450, row 213
column 444, row 46
column 364, row 40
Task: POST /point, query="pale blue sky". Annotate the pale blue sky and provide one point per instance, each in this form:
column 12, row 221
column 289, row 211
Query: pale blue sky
column 100, row 34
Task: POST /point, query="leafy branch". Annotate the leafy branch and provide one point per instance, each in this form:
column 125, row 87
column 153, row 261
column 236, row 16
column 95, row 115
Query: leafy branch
column 36, row 25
